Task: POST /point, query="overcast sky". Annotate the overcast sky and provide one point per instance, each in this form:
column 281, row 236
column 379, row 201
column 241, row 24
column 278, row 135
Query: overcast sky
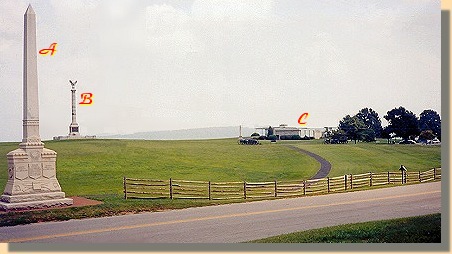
column 166, row 65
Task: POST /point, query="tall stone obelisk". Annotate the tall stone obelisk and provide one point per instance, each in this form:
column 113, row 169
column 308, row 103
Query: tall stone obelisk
column 32, row 181
column 73, row 127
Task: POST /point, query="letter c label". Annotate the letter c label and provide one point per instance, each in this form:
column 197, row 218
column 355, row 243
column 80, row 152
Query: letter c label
column 302, row 119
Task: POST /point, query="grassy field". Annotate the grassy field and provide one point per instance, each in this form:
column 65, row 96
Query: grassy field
column 420, row 229
column 95, row 168
column 375, row 157
column 92, row 167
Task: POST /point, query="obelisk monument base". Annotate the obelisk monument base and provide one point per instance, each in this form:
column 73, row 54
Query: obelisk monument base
column 32, row 181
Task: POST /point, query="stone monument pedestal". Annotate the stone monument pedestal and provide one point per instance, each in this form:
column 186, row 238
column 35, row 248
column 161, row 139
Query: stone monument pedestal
column 32, row 181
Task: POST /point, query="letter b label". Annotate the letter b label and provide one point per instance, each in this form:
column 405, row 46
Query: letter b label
column 87, row 99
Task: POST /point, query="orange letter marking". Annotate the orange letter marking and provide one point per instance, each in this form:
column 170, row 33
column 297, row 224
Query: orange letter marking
column 52, row 48
column 86, row 99
column 303, row 116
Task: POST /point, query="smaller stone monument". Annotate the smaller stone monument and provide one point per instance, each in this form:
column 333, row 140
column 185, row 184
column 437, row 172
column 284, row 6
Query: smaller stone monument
column 74, row 129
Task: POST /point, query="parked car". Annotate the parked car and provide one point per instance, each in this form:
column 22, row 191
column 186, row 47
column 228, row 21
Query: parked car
column 409, row 141
column 248, row 141
column 340, row 140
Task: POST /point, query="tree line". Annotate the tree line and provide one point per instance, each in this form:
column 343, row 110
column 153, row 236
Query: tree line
column 366, row 125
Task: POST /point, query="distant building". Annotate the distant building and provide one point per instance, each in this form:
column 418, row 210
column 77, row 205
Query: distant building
column 284, row 130
column 316, row 133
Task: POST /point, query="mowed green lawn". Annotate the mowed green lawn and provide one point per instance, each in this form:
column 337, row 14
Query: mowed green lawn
column 91, row 167
column 86, row 167
column 418, row 229
column 375, row 157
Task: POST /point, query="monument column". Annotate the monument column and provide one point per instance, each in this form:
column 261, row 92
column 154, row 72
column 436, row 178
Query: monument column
column 30, row 83
column 32, row 181
column 73, row 127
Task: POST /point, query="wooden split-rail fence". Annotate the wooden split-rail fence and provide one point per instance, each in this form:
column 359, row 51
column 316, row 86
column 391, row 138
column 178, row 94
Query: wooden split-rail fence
column 181, row 189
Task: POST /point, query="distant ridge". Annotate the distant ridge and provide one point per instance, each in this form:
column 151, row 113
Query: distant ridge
column 185, row 134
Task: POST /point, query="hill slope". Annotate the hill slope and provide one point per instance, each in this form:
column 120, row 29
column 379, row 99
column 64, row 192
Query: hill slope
column 186, row 134
column 87, row 167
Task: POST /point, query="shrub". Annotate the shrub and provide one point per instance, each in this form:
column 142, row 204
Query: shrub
column 290, row 137
column 272, row 137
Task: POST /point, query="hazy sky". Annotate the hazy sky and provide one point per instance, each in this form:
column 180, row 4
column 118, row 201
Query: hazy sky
column 165, row 65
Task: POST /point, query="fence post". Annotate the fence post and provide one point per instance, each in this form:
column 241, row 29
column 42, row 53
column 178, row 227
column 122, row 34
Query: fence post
column 434, row 174
column 351, row 181
column 244, row 189
column 328, row 183
column 389, row 178
column 370, row 180
column 125, row 187
column 420, row 176
column 171, row 188
column 304, row 187
column 345, row 182
column 276, row 189
column 210, row 197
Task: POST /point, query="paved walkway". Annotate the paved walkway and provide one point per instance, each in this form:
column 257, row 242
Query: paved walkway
column 325, row 166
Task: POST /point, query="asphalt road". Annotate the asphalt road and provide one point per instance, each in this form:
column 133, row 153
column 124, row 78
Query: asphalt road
column 238, row 222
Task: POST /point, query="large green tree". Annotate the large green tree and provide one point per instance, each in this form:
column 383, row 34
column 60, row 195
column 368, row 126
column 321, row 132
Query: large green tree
column 367, row 135
column 351, row 125
column 430, row 120
column 371, row 120
column 402, row 122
